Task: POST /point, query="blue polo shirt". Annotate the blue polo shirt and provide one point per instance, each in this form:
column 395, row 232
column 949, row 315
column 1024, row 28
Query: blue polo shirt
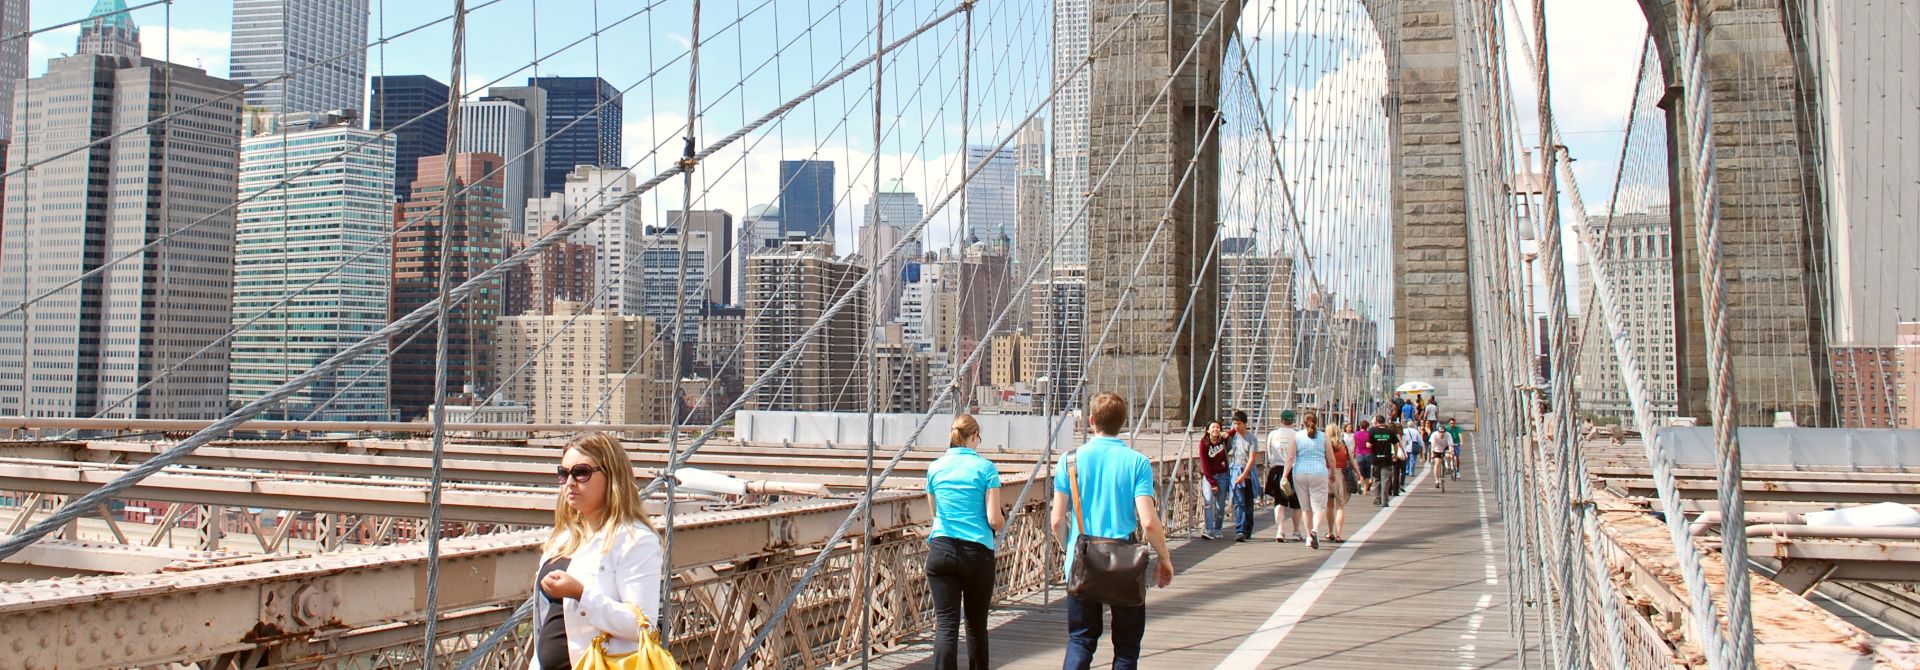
column 1111, row 476
column 959, row 483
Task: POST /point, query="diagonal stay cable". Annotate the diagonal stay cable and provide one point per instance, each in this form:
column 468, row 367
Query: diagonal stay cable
column 83, row 504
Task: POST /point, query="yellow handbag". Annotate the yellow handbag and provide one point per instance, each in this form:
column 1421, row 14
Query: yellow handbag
column 649, row 656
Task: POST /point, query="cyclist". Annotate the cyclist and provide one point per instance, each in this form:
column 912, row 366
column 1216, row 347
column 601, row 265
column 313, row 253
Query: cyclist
column 1443, row 457
column 1459, row 446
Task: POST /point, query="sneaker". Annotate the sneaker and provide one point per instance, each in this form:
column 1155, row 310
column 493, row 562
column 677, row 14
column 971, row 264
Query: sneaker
column 1205, row 535
column 1314, row 543
column 1239, row 538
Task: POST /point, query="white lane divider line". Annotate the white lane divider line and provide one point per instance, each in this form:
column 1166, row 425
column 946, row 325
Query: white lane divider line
column 1467, row 649
column 1254, row 650
column 1486, row 532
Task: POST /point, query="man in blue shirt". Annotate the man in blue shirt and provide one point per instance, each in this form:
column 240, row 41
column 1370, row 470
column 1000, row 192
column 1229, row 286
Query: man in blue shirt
column 1116, row 498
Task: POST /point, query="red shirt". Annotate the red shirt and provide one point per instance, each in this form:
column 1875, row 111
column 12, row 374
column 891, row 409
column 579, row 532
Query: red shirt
column 1213, row 457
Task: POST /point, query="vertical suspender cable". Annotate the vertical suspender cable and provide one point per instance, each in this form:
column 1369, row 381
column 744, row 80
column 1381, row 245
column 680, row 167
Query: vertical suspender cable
column 447, row 214
column 676, row 329
column 1713, row 284
column 869, row 334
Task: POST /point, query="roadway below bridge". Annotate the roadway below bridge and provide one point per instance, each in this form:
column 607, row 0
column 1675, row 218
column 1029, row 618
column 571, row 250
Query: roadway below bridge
column 1421, row 583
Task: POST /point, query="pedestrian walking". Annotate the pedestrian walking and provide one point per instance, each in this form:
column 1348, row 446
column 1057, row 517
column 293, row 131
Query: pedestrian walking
column 1362, row 455
column 1245, row 468
column 1307, row 465
column 1218, row 475
column 1106, row 488
column 1342, row 480
column 1415, row 446
column 963, row 489
column 1286, row 502
column 1386, row 463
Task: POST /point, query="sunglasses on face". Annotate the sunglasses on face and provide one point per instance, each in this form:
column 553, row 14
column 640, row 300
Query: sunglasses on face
column 580, row 473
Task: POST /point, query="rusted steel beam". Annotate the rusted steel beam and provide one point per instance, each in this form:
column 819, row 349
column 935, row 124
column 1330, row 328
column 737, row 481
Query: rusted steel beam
column 1763, row 475
column 480, row 466
column 1828, row 492
column 142, row 619
column 173, row 425
column 92, row 558
column 369, row 497
column 1793, row 633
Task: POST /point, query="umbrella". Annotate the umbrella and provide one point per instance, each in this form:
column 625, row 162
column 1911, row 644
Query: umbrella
column 1414, row 388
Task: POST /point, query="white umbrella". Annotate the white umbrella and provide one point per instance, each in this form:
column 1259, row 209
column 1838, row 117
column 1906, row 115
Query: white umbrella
column 1414, row 388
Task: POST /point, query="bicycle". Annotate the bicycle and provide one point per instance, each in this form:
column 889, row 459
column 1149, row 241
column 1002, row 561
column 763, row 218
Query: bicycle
column 1445, row 465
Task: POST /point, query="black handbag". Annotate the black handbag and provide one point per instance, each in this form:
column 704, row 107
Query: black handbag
column 1111, row 571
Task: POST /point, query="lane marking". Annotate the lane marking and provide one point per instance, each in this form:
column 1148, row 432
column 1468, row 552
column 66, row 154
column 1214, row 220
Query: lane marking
column 1254, row 650
column 1467, row 649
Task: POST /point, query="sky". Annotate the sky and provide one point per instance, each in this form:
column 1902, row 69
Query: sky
column 757, row 53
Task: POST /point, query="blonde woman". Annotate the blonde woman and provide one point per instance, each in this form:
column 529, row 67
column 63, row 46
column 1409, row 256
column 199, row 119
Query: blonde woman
column 601, row 563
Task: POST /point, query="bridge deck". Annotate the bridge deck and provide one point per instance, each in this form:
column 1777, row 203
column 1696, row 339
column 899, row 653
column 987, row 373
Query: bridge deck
column 1419, row 584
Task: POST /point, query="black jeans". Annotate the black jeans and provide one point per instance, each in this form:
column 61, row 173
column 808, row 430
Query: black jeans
column 961, row 576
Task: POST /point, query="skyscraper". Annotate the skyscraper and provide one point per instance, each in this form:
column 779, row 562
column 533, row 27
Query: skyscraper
column 534, row 99
column 1057, row 346
column 990, row 194
column 899, row 208
column 1072, row 26
column 718, row 226
column 1256, row 365
column 806, row 198
column 98, row 341
column 294, row 234
column 584, row 366
column 477, row 228
column 1032, row 208
column 499, row 126
column 595, row 140
column 759, row 230
column 15, row 18
column 787, row 290
column 564, row 271
column 397, row 102
column 1639, row 262
column 660, row 278
column 320, row 45
column 616, row 237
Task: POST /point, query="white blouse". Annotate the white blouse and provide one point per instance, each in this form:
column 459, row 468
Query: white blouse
column 617, row 567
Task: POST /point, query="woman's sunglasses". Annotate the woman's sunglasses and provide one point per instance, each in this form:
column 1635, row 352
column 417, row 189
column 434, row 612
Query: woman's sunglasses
column 580, row 473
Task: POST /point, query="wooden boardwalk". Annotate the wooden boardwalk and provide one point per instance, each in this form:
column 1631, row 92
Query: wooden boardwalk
column 1421, row 586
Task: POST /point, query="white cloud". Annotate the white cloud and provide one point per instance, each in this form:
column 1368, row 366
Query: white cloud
column 197, row 47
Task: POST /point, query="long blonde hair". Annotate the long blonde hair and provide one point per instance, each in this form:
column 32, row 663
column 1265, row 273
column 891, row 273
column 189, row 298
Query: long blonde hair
column 570, row 528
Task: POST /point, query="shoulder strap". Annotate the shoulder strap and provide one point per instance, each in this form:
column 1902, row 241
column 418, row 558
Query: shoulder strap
column 1073, row 490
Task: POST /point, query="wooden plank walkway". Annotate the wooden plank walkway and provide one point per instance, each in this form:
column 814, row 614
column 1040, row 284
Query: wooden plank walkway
column 1423, row 587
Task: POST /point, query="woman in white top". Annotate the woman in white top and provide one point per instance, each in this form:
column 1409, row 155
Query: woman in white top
column 602, row 562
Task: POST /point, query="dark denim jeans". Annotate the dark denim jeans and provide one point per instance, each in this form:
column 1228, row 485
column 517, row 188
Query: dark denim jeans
column 1245, row 494
column 1083, row 634
column 960, row 573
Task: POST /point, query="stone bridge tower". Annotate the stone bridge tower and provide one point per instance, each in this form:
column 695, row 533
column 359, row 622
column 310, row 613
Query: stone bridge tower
column 1168, row 171
column 1771, row 213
